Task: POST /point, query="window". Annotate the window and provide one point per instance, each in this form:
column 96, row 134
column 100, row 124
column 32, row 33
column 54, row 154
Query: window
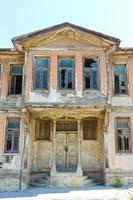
column 123, row 135
column 66, row 126
column 0, row 70
column 66, row 73
column 16, row 73
column 12, row 135
column 42, row 130
column 120, row 79
column 90, row 129
column 90, row 73
column 40, row 74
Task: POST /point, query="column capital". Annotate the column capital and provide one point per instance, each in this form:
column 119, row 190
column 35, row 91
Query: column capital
column 78, row 120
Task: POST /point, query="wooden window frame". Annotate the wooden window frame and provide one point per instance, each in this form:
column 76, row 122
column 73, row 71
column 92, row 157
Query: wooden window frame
column 73, row 73
column 96, row 132
column 83, row 72
column 34, row 73
column 10, row 76
column 126, row 75
column 123, row 151
column 41, row 135
column 12, row 131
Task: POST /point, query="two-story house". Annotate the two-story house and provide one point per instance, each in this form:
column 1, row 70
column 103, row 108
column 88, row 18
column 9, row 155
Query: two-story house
column 66, row 109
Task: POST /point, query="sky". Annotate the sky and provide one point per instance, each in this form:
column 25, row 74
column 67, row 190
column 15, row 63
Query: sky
column 111, row 17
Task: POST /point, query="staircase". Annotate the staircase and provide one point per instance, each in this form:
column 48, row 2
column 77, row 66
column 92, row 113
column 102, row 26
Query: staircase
column 64, row 180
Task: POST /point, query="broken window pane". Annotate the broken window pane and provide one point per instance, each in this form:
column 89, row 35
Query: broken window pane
column 66, row 74
column 90, row 73
column 12, row 135
column 0, row 70
column 123, row 135
column 90, row 129
column 120, row 79
column 16, row 80
column 40, row 73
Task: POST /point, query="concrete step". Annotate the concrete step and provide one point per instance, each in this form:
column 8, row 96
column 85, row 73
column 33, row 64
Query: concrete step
column 37, row 185
column 43, row 181
column 63, row 181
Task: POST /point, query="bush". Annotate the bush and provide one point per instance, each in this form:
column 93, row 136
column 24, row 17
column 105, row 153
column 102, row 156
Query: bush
column 118, row 182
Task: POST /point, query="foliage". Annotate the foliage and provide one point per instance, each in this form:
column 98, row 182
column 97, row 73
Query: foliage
column 118, row 182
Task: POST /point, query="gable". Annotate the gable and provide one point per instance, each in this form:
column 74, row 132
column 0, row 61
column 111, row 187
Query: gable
column 69, row 44
column 62, row 31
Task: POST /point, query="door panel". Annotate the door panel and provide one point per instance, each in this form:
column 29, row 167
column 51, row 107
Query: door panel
column 66, row 151
column 61, row 154
column 72, row 150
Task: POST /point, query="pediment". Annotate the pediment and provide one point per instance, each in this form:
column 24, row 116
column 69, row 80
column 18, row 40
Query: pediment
column 64, row 34
column 69, row 44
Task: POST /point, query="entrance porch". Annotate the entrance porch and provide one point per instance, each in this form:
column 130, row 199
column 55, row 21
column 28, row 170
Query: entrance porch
column 68, row 145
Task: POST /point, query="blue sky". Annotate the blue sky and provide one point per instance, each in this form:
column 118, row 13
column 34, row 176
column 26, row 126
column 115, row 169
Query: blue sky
column 112, row 17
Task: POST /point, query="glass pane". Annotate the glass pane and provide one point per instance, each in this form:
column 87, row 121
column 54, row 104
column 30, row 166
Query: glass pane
column 0, row 70
column 38, row 79
column 16, row 143
column 120, row 69
column 90, row 128
column 69, row 79
column 15, row 70
column 87, row 80
column 122, row 123
column 63, row 78
column 9, row 143
column 66, row 63
column 94, row 78
column 44, row 78
column 123, row 85
column 41, row 63
column 13, row 123
column 116, row 80
column 90, row 62
column 12, row 86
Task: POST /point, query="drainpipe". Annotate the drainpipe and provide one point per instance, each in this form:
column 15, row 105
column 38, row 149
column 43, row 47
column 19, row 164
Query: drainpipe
column 21, row 164
column 22, row 105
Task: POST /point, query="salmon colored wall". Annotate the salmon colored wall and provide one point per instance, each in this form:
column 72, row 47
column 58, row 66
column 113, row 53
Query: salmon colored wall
column 5, row 78
column 117, row 160
column 2, row 125
column 78, row 68
column 130, row 77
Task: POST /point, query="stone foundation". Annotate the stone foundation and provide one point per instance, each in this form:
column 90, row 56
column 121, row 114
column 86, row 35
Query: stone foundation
column 65, row 180
column 10, row 180
column 112, row 177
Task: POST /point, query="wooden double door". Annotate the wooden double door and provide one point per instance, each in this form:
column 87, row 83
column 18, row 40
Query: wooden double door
column 66, row 151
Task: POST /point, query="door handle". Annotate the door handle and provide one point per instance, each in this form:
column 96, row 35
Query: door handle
column 66, row 148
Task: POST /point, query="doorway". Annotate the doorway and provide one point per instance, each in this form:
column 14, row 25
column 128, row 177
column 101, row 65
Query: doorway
column 66, row 151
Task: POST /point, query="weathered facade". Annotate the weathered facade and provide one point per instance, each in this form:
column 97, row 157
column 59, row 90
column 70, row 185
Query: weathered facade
column 66, row 109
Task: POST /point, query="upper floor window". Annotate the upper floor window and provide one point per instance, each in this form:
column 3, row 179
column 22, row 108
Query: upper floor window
column 123, row 140
column 66, row 73
column 12, row 135
column 90, row 73
column 16, row 74
column 120, row 79
column 90, row 129
column 0, row 70
column 40, row 73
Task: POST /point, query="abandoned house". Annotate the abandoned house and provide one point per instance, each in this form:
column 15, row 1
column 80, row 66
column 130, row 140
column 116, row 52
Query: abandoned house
column 66, row 109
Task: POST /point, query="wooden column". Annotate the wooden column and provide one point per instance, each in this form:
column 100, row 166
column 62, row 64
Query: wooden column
column 53, row 167
column 79, row 170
